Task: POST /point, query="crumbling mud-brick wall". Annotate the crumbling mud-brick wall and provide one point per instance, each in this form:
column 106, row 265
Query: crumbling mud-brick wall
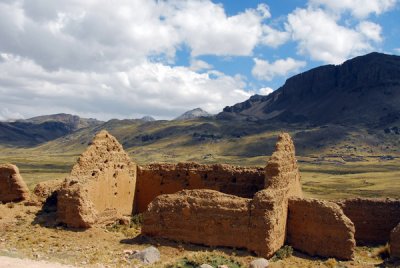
column 199, row 216
column 156, row 179
column 101, row 185
column 263, row 229
column 320, row 228
column 212, row 218
column 43, row 190
column 268, row 216
column 12, row 186
column 395, row 242
column 282, row 170
column 373, row 219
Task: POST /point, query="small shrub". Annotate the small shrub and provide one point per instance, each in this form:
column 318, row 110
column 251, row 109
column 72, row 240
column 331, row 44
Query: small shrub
column 211, row 259
column 331, row 263
column 137, row 220
column 283, row 253
column 10, row 205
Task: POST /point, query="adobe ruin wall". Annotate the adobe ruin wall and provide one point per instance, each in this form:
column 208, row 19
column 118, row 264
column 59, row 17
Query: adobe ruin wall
column 373, row 218
column 157, row 179
column 256, row 208
column 101, row 186
column 319, row 227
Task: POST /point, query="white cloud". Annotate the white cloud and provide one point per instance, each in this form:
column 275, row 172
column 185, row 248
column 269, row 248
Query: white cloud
column 370, row 30
column 7, row 115
column 199, row 65
column 87, row 35
column 358, row 8
column 265, row 70
column 147, row 88
column 207, row 30
column 319, row 35
column 110, row 59
column 397, row 50
column 265, row 91
column 272, row 37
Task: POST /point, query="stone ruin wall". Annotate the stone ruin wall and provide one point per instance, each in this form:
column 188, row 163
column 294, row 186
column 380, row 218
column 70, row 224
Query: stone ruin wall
column 157, row 179
column 373, row 218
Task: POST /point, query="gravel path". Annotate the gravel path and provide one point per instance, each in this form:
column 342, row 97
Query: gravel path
column 23, row 263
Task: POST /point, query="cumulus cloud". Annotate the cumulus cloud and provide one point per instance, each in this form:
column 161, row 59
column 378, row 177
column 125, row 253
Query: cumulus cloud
column 272, row 37
column 370, row 30
column 199, row 65
column 358, row 8
column 319, row 35
column 207, row 30
column 104, row 35
column 7, row 115
column 264, row 70
column 108, row 59
column 265, row 91
column 147, row 88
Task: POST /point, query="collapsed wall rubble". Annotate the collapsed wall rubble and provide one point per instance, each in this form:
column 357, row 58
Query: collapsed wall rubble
column 101, row 186
column 319, row 227
column 156, row 179
column 373, row 219
column 12, row 186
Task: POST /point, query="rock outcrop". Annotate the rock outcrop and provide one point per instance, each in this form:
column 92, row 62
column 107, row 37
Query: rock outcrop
column 395, row 242
column 282, row 171
column 12, row 186
column 326, row 94
column 101, row 186
column 373, row 219
column 320, row 228
column 156, row 179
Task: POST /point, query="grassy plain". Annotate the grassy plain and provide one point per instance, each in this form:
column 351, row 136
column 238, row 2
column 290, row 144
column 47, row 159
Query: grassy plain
column 323, row 176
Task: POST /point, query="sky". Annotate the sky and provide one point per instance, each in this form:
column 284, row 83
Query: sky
column 130, row 58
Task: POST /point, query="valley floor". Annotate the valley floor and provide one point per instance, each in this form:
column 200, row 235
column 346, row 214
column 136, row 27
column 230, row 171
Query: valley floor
column 323, row 176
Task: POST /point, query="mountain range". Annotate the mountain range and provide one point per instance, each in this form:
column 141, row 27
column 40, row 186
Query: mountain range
column 364, row 90
column 352, row 108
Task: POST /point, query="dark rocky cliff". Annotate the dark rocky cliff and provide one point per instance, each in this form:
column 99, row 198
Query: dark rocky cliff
column 365, row 89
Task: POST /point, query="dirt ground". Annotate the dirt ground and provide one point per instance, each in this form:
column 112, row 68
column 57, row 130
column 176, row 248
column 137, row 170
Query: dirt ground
column 27, row 232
